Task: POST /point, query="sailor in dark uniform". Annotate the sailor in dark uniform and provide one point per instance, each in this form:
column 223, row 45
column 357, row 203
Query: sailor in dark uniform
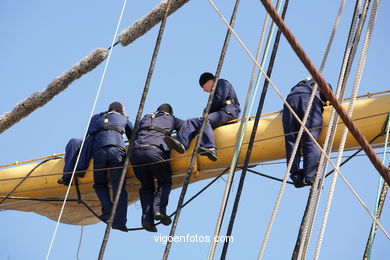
column 148, row 158
column 224, row 107
column 108, row 151
column 298, row 99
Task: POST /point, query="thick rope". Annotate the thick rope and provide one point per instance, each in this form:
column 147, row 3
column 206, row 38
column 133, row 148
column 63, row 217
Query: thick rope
column 86, row 130
column 60, row 83
column 253, row 133
column 87, row 64
column 201, row 130
column 239, row 140
column 327, row 92
column 361, row 64
column 381, row 196
column 143, row 25
column 315, row 192
column 135, row 130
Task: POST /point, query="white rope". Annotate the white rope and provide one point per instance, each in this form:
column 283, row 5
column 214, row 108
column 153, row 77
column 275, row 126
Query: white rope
column 295, row 115
column 362, row 62
column 86, row 129
column 309, row 217
column 242, row 130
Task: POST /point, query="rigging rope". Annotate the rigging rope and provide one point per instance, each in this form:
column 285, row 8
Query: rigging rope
column 80, row 240
column 86, row 129
column 200, row 133
column 253, row 135
column 315, row 192
column 327, row 91
column 344, row 76
column 87, row 64
column 361, row 64
column 134, row 132
column 239, row 139
column 357, row 132
column 381, row 196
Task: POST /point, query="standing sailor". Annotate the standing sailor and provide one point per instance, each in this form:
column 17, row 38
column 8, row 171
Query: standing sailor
column 298, row 99
column 149, row 160
column 108, row 151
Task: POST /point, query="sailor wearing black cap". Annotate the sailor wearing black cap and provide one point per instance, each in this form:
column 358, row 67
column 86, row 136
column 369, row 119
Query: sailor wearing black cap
column 298, row 99
column 148, row 159
column 108, row 151
column 224, row 107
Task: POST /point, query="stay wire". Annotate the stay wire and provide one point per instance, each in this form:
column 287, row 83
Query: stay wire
column 86, row 129
column 357, row 80
column 135, row 130
column 381, row 196
column 240, row 136
column 327, row 91
column 351, row 49
column 315, row 192
column 356, row 132
column 200, row 134
column 252, row 138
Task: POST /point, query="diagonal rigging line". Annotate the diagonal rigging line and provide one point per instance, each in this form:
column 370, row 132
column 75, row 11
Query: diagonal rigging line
column 297, row 118
column 135, row 130
column 239, row 140
column 253, row 134
column 380, row 200
column 327, row 92
column 350, row 110
column 85, row 65
column 85, row 133
column 295, row 146
column 200, row 134
column 305, row 229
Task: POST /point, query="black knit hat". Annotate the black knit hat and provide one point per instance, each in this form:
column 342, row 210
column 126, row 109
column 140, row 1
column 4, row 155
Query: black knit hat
column 205, row 77
column 116, row 106
column 165, row 108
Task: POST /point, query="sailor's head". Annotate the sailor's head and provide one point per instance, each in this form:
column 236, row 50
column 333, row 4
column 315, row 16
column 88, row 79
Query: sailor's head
column 206, row 81
column 117, row 107
column 167, row 108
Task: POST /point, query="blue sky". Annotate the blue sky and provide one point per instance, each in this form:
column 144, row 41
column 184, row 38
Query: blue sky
column 41, row 39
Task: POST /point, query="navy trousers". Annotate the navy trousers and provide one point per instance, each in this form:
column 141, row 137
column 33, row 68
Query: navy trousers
column 71, row 152
column 108, row 157
column 152, row 199
column 191, row 127
column 311, row 153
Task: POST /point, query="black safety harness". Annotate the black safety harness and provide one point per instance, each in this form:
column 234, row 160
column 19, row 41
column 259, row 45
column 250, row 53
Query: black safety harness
column 155, row 128
column 106, row 126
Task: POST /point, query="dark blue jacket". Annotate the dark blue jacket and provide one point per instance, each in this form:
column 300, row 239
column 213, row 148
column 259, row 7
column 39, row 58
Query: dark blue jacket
column 225, row 92
column 153, row 137
column 306, row 86
column 105, row 137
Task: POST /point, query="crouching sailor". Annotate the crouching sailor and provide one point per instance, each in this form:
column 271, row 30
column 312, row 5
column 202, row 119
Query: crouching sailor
column 224, row 107
column 148, row 159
